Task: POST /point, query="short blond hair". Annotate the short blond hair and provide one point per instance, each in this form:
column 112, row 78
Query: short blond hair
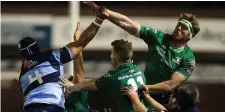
column 123, row 49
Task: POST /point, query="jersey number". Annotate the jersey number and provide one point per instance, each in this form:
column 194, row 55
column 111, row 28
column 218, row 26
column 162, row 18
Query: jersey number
column 36, row 77
column 132, row 82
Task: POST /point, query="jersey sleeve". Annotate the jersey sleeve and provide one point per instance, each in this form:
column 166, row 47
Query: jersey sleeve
column 63, row 55
column 186, row 67
column 151, row 36
column 103, row 82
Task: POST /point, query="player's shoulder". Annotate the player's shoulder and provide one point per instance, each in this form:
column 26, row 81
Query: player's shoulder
column 150, row 29
column 42, row 55
column 135, row 67
column 188, row 52
column 111, row 73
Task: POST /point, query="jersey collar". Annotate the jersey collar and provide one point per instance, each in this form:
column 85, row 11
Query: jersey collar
column 124, row 64
column 178, row 50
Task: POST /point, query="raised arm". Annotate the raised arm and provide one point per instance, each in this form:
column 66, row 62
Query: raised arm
column 120, row 20
column 78, row 74
column 85, row 85
column 86, row 36
column 123, row 22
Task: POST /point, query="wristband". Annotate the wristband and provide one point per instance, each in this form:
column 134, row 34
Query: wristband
column 99, row 19
column 97, row 24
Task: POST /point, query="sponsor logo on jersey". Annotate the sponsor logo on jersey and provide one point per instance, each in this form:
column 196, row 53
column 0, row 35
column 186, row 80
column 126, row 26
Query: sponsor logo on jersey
column 130, row 75
column 28, row 64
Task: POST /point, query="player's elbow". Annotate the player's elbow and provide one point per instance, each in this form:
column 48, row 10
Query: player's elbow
column 168, row 86
column 169, row 89
column 75, row 48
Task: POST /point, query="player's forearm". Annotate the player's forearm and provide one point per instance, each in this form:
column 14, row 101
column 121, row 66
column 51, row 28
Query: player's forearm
column 78, row 75
column 78, row 78
column 154, row 104
column 86, row 36
column 89, row 33
column 85, row 85
column 124, row 22
column 138, row 106
column 162, row 87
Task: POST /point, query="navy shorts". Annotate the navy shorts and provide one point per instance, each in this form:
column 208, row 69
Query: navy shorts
column 39, row 107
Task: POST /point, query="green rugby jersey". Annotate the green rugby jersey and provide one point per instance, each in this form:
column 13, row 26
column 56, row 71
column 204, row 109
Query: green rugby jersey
column 113, row 81
column 76, row 102
column 163, row 60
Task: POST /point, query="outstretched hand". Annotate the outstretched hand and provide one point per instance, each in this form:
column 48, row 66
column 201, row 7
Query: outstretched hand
column 100, row 11
column 91, row 5
column 76, row 35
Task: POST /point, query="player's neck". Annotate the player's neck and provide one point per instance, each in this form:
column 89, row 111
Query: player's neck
column 178, row 44
column 122, row 63
column 119, row 64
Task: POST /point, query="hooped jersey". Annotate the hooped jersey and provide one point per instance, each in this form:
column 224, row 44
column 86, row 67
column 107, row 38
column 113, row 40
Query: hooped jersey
column 40, row 75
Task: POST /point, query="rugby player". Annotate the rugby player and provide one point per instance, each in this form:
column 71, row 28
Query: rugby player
column 170, row 60
column 185, row 98
column 125, row 73
column 40, row 71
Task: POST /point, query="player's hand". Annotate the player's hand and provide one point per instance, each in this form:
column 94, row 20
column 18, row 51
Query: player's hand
column 66, row 83
column 144, row 88
column 76, row 35
column 100, row 11
column 91, row 5
column 129, row 92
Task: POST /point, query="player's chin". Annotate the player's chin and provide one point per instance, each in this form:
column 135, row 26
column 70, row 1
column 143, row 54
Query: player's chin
column 176, row 37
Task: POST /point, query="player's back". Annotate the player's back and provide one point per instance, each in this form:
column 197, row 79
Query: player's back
column 40, row 75
column 125, row 75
